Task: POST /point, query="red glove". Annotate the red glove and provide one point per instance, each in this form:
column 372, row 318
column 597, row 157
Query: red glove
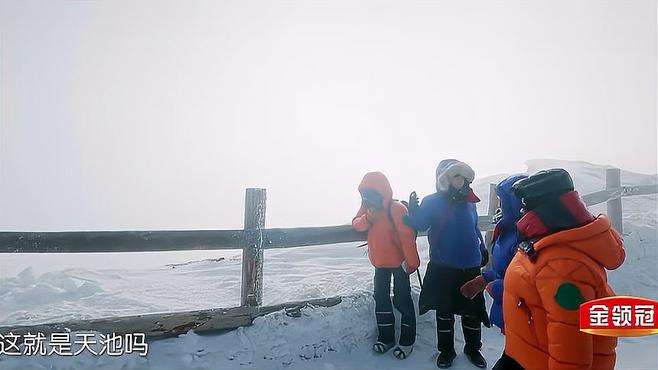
column 471, row 288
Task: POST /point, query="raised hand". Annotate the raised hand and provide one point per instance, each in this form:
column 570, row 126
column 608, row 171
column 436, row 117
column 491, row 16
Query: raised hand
column 413, row 202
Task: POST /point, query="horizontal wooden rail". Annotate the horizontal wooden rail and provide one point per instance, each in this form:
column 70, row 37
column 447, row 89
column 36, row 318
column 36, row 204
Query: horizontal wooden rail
column 162, row 325
column 628, row 191
column 119, row 241
column 180, row 240
column 153, row 241
column 603, row 196
column 156, row 241
column 307, row 236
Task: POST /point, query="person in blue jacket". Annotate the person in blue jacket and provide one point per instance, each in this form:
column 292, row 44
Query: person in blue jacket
column 505, row 241
column 457, row 253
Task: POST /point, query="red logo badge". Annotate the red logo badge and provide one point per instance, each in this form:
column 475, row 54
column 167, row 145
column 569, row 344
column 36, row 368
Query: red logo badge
column 619, row 316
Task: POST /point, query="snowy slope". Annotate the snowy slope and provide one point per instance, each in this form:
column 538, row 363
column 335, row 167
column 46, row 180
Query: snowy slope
column 323, row 338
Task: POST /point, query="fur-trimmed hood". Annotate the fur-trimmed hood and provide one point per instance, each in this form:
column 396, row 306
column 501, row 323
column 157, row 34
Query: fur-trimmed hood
column 447, row 169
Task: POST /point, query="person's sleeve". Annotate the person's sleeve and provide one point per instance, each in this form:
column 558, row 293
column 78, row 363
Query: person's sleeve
column 568, row 348
column 360, row 221
column 483, row 246
column 489, row 275
column 497, row 290
column 510, row 252
column 407, row 239
column 419, row 219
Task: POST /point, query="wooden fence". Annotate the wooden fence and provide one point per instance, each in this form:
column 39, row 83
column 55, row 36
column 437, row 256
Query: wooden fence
column 253, row 239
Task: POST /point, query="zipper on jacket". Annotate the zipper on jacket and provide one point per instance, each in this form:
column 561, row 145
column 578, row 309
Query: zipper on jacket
column 522, row 305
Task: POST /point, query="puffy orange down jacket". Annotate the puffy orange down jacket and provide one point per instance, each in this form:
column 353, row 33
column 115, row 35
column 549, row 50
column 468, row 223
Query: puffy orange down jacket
column 388, row 244
column 539, row 332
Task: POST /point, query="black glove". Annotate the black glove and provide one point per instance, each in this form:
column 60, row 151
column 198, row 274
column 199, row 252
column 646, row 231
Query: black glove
column 413, row 202
column 497, row 216
column 485, row 257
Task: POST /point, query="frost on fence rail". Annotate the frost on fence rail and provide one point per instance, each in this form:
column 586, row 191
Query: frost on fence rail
column 151, row 241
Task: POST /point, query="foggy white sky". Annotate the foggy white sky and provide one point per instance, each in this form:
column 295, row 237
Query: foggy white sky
column 157, row 115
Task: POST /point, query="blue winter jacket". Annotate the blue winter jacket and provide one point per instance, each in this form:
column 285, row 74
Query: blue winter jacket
column 505, row 245
column 454, row 238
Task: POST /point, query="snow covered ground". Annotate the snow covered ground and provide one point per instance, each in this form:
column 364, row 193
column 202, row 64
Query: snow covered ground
column 42, row 288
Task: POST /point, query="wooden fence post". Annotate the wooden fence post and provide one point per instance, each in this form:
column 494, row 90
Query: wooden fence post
column 614, row 210
column 491, row 210
column 251, row 292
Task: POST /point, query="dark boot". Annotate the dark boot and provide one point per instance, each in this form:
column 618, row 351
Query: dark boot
column 403, row 303
column 445, row 358
column 476, row 358
column 380, row 347
column 472, row 337
column 384, row 308
column 402, row 352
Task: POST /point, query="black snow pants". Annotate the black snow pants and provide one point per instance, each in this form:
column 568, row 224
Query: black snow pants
column 441, row 293
column 445, row 332
column 402, row 302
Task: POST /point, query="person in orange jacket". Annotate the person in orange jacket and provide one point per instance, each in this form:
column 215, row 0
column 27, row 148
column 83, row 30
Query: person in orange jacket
column 562, row 261
column 392, row 251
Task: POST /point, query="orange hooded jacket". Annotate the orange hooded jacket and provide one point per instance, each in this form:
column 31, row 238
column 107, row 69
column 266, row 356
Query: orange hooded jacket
column 540, row 333
column 388, row 245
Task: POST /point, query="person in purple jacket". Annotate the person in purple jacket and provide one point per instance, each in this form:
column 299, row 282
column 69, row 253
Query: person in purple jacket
column 505, row 242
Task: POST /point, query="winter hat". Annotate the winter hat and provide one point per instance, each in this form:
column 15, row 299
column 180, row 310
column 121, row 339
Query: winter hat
column 449, row 168
column 542, row 186
column 550, row 204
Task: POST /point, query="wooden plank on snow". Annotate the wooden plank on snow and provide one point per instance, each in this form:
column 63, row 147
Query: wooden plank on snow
column 163, row 325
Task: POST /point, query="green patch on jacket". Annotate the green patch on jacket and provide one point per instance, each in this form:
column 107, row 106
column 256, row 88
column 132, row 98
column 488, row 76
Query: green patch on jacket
column 569, row 297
